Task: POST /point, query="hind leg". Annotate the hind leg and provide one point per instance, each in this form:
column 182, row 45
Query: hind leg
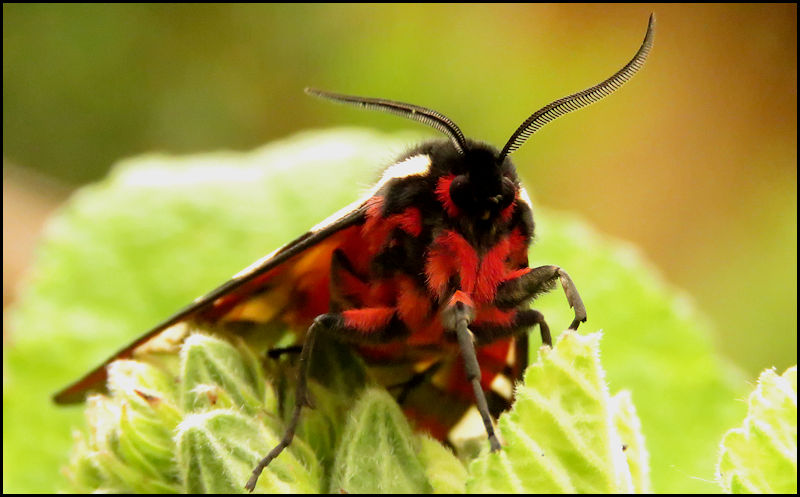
column 370, row 325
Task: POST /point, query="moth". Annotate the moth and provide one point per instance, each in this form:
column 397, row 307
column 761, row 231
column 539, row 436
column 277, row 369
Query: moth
column 430, row 270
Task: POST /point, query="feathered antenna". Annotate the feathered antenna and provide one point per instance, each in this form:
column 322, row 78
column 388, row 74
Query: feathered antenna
column 414, row 112
column 582, row 98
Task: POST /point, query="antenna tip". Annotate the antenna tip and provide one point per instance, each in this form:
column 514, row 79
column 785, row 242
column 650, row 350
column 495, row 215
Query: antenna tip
column 314, row 92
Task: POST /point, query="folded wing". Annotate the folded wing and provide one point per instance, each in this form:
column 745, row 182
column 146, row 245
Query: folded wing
column 289, row 286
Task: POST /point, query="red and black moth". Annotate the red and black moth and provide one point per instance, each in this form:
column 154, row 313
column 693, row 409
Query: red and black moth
column 431, row 266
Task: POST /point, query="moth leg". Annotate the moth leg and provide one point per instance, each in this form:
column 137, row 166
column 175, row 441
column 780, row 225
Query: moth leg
column 277, row 352
column 300, row 400
column 539, row 280
column 529, row 317
column 473, row 371
column 519, row 330
column 457, row 317
column 524, row 319
column 416, row 380
column 522, row 352
column 352, row 326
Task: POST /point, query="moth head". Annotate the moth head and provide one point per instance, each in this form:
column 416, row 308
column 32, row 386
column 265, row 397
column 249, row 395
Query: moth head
column 483, row 188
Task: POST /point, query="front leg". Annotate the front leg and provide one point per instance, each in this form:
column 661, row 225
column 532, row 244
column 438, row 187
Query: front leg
column 535, row 281
column 456, row 317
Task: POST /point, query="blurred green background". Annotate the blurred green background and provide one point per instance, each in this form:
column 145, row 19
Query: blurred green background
column 694, row 160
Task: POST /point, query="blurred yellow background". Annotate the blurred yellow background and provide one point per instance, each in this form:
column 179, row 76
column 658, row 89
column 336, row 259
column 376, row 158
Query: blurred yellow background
column 694, row 160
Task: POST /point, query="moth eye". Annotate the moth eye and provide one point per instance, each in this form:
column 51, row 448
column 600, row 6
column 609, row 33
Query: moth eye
column 460, row 192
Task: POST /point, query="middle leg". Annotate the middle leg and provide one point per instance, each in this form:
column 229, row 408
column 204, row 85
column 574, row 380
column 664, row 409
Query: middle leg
column 535, row 281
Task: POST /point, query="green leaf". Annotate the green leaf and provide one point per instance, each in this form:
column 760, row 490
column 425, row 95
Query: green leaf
column 337, row 377
column 218, row 449
column 563, row 433
column 655, row 344
column 120, row 455
column 446, row 474
column 214, row 375
column 147, row 418
column 761, row 455
column 378, row 453
column 629, row 428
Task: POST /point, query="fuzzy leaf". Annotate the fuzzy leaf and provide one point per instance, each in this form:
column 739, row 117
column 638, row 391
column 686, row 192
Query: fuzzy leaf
column 218, row 449
column 214, row 374
column 112, row 457
column 445, row 471
column 337, row 377
column 378, row 453
column 629, row 428
column 561, row 435
column 761, row 455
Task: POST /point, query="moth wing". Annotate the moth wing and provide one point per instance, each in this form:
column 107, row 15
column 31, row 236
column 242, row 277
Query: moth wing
column 290, row 285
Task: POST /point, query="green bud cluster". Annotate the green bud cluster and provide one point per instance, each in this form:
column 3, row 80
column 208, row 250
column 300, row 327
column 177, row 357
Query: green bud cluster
column 195, row 425
column 199, row 421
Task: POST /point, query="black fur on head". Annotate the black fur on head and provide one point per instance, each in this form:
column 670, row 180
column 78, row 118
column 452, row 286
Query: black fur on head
column 482, row 187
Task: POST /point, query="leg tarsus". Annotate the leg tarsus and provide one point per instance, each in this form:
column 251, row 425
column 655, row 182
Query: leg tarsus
column 530, row 317
column 473, row 370
column 573, row 298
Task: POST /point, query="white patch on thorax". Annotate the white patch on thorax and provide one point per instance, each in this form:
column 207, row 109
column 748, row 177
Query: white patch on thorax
column 417, row 165
column 523, row 195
